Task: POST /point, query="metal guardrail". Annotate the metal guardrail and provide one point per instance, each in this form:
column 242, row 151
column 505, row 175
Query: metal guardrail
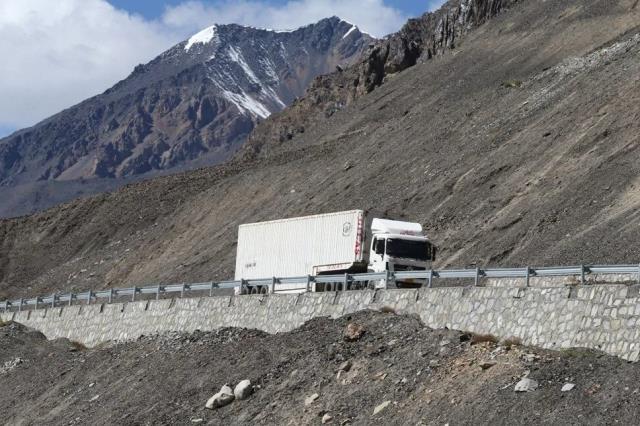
column 342, row 281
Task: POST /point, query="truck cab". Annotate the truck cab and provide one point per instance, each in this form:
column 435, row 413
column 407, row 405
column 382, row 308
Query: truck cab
column 399, row 246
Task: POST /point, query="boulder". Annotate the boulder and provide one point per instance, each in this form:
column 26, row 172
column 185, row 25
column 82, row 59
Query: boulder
column 485, row 365
column 381, row 407
column 243, row 390
column 345, row 366
column 353, row 332
column 526, row 385
column 222, row 398
column 310, row 399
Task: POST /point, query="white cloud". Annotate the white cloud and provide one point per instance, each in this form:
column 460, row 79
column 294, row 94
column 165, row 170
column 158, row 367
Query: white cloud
column 372, row 16
column 58, row 53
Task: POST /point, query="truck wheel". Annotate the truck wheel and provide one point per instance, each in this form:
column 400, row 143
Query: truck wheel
column 253, row 290
column 329, row 287
column 264, row 290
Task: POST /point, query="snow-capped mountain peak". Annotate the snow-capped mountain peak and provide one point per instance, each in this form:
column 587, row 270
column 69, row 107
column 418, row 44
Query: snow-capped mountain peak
column 204, row 36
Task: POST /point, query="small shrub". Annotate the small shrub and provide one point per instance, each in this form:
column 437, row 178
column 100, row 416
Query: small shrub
column 77, row 346
column 481, row 338
column 511, row 341
column 575, row 353
column 388, row 310
column 512, row 84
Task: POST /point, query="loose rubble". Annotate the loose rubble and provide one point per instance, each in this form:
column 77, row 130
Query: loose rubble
column 243, row 390
column 290, row 378
column 526, row 385
column 381, row 407
column 224, row 397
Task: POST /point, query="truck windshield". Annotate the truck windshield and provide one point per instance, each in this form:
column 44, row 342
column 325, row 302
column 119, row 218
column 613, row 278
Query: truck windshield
column 407, row 249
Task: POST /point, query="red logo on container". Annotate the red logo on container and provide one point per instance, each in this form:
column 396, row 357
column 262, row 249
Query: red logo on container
column 358, row 248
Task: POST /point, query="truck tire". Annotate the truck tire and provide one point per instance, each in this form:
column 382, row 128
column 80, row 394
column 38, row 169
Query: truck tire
column 330, row 287
column 264, row 290
column 253, row 290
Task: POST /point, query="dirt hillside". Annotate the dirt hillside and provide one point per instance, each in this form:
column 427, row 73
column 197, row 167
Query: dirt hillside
column 519, row 146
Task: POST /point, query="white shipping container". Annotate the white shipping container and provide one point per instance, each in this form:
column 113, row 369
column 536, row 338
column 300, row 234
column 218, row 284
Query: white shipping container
column 300, row 246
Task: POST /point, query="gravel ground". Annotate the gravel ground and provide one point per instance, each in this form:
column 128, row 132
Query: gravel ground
column 431, row 377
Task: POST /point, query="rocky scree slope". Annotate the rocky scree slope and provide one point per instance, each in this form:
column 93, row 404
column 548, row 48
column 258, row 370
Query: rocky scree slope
column 397, row 372
column 192, row 105
column 518, row 147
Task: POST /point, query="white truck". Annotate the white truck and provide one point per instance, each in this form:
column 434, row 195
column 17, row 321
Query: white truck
column 327, row 244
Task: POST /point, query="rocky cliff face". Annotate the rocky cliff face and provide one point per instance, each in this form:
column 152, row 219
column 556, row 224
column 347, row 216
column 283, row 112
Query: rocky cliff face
column 420, row 40
column 193, row 104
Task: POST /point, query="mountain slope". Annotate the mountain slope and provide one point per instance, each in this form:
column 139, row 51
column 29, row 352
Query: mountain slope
column 518, row 147
column 192, row 105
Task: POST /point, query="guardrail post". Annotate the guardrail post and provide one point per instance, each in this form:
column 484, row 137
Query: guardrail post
column 133, row 294
column 53, row 301
column 211, row 289
column 528, row 275
column 272, row 288
column 37, row 300
column 182, row 291
column 477, row 278
column 70, row 298
column 20, row 305
column 582, row 274
column 308, row 288
column 639, row 274
column 345, row 283
column 387, row 278
column 89, row 298
column 110, row 295
column 430, row 278
column 158, row 292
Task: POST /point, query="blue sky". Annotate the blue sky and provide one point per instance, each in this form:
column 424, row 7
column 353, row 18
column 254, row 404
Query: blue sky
column 152, row 9
column 58, row 53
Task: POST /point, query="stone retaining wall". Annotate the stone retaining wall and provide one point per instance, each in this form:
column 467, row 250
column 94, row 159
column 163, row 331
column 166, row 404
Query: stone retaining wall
column 604, row 317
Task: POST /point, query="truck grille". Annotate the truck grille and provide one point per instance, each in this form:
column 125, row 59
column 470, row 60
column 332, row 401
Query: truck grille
column 408, row 268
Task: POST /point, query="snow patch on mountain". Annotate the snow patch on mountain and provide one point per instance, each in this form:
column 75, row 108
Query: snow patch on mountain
column 246, row 103
column 269, row 68
column 204, row 37
column 237, row 57
column 352, row 29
